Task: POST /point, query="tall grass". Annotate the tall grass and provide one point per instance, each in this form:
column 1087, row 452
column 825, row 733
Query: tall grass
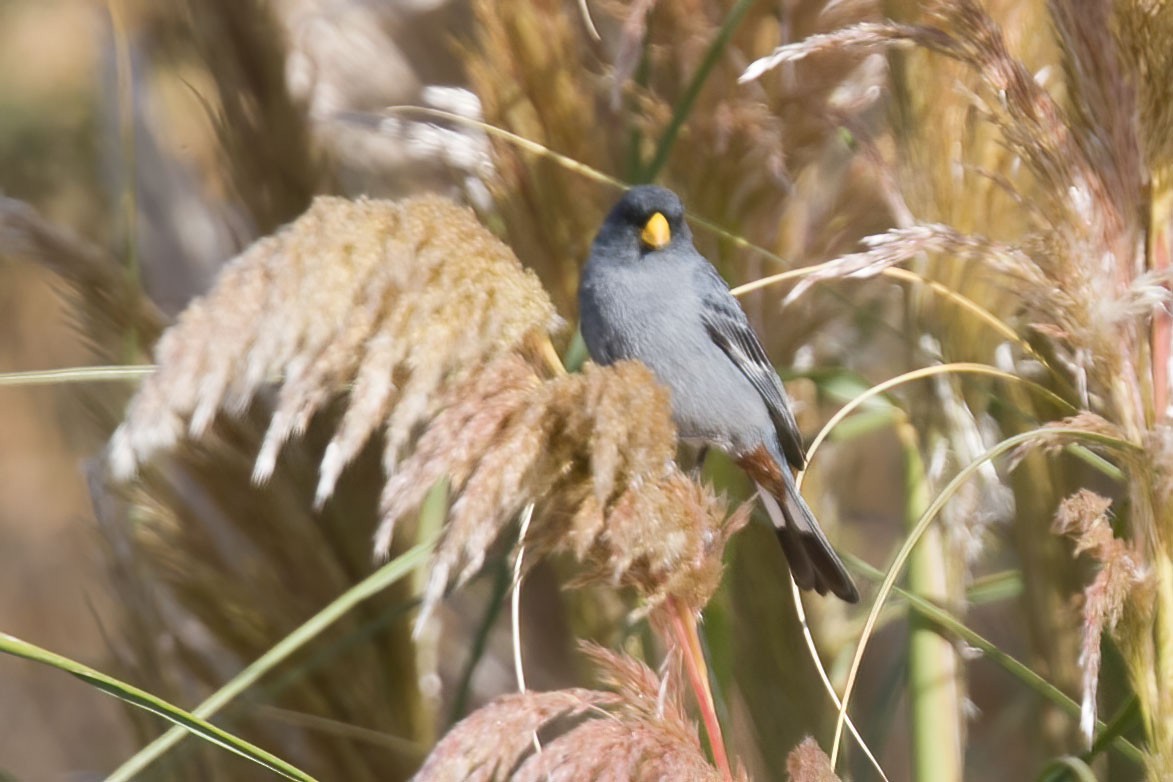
column 979, row 198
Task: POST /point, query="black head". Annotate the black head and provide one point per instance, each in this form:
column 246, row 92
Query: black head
column 648, row 218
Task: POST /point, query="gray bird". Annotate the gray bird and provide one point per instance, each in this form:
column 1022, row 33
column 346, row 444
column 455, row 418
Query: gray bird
column 648, row 294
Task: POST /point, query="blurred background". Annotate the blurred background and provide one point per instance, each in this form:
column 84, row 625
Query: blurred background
column 144, row 144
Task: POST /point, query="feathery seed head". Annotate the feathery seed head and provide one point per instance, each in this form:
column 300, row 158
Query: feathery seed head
column 808, row 763
column 398, row 299
column 638, row 732
column 594, row 451
column 1084, row 517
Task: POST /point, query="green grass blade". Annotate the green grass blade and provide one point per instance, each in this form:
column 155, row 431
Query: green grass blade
column 1056, row 434
column 1066, row 766
column 948, row 623
column 693, row 90
column 480, row 642
column 370, row 586
column 185, row 722
column 1127, row 718
column 994, row 588
column 51, row 377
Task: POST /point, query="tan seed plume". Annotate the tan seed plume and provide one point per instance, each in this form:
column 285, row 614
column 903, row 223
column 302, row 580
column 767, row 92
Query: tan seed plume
column 637, row 732
column 396, row 301
column 595, row 452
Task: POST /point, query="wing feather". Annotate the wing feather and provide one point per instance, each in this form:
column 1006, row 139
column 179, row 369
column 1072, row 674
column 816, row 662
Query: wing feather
column 730, row 330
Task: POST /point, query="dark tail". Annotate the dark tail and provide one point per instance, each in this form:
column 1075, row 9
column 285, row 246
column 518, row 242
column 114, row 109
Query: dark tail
column 813, row 563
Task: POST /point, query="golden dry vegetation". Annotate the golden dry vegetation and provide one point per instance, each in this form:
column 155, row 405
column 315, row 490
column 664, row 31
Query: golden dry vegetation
column 326, row 467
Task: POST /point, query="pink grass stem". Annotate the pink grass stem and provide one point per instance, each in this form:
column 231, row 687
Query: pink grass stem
column 684, row 627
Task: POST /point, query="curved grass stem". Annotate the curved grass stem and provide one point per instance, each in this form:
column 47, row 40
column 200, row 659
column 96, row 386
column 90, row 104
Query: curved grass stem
column 999, row 326
column 956, row 368
column 1109, row 734
column 515, row 607
column 185, row 722
column 370, row 586
column 917, row 532
column 809, row 640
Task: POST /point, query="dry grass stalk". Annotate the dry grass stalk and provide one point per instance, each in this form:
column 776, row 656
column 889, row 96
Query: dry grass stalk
column 1086, row 161
column 638, row 732
column 902, row 244
column 866, row 34
column 1145, row 34
column 596, row 451
column 1144, row 30
column 1084, row 517
column 112, row 305
column 1081, row 274
column 533, row 74
column 263, row 131
column 1053, row 442
column 1088, row 169
column 1080, row 261
column 952, row 166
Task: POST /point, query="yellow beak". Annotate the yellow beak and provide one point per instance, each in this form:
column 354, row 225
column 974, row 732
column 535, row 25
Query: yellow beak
column 656, row 233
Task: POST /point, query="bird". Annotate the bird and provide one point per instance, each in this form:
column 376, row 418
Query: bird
column 646, row 293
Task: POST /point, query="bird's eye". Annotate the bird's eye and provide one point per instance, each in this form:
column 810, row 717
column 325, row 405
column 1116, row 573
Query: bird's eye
column 656, row 232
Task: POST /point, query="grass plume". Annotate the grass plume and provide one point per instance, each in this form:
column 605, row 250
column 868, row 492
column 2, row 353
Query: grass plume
column 338, row 299
column 636, row 730
column 595, row 450
column 1084, row 517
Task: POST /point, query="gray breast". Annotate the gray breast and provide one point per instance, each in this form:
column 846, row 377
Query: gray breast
column 711, row 400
